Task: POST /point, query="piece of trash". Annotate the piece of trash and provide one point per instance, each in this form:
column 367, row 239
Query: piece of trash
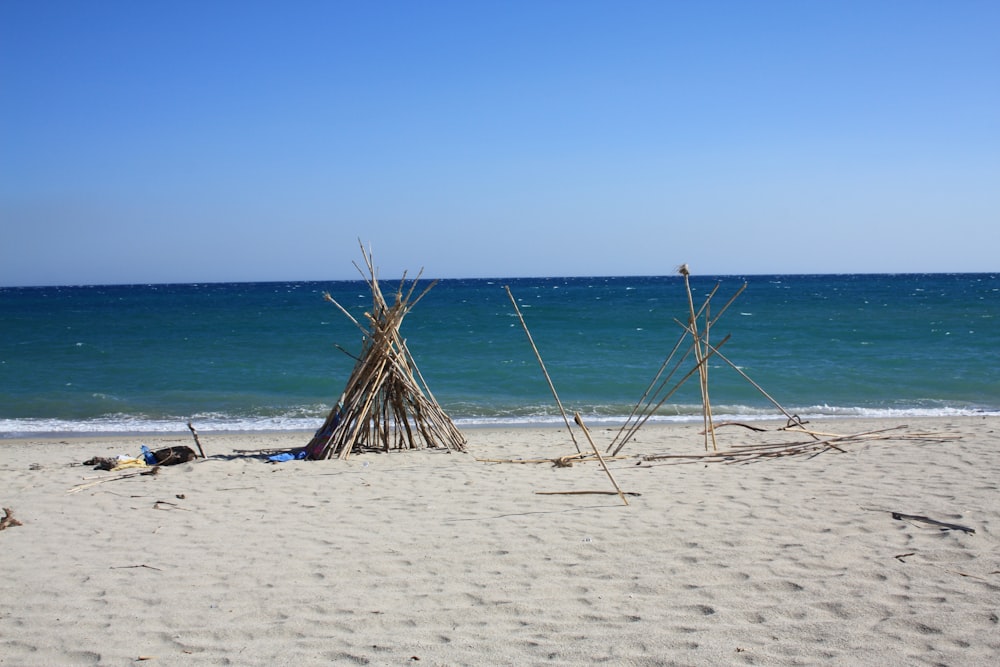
column 287, row 456
column 8, row 520
column 171, row 456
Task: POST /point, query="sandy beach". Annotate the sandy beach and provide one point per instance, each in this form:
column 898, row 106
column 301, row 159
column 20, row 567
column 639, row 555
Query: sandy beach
column 436, row 558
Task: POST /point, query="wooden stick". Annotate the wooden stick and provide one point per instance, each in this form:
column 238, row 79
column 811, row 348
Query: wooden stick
column 541, row 363
column 81, row 487
column 569, row 458
column 746, row 426
column 706, row 407
column 899, row 516
column 583, row 427
column 580, row 493
column 196, row 440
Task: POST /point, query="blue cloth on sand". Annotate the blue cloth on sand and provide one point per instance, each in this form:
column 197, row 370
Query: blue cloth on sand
column 287, row 456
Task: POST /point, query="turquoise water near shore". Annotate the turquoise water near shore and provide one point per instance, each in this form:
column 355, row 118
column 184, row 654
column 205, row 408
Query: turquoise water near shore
column 263, row 356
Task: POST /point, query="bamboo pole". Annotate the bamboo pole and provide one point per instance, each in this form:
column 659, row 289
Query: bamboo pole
column 706, row 406
column 583, row 427
column 541, row 363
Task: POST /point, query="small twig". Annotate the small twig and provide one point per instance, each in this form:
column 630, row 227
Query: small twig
column 721, row 424
column 80, row 487
column 129, row 567
column 172, row 506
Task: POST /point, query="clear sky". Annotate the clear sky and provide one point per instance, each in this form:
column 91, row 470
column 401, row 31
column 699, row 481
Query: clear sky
column 235, row 141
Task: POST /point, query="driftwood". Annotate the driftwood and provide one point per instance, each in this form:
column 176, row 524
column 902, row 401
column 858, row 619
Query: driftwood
column 8, row 520
column 746, row 426
column 581, row 493
column 899, row 516
column 700, row 344
column 772, row 450
column 566, row 461
column 196, row 440
column 80, row 487
column 541, row 363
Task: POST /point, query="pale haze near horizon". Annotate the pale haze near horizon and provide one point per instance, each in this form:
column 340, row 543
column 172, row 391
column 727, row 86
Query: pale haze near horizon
column 223, row 141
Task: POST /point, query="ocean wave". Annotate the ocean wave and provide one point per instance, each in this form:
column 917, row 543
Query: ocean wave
column 219, row 423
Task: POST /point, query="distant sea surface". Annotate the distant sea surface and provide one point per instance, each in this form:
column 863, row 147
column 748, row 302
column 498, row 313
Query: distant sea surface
column 275, row 356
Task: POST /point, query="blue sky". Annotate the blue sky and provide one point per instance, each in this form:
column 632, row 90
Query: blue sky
column 234, row 141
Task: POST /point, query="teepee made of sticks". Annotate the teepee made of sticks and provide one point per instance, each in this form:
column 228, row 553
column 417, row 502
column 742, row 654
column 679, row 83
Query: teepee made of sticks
column 386, row 403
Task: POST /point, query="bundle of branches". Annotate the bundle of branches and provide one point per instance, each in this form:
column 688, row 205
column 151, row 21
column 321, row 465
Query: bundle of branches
column 386, row 404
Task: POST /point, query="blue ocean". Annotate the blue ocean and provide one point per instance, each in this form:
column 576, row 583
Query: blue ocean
column 275, row 356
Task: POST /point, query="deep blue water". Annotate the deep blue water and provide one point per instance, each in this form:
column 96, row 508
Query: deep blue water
column 263, row 355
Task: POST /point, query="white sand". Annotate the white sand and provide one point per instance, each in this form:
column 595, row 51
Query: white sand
column 434, row 558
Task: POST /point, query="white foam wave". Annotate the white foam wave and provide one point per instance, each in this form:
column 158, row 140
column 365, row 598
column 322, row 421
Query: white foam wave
column 124, row 424
column 18, row 428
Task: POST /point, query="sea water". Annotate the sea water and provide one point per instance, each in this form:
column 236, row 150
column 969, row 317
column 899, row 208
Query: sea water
column 275, row 356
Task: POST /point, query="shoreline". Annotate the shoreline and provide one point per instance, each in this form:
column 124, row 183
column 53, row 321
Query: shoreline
column 444, row 558
column 549, row 423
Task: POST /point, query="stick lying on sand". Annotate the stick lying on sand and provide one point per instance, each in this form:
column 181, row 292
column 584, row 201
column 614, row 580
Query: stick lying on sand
column 899, row 516
column 80, row 487
column 581, row 493
column 586, row 432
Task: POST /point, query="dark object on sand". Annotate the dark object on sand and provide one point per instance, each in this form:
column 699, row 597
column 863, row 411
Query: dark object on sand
column 899, row 516
column 171, row 456
column 101, row 463
column 8, row 520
